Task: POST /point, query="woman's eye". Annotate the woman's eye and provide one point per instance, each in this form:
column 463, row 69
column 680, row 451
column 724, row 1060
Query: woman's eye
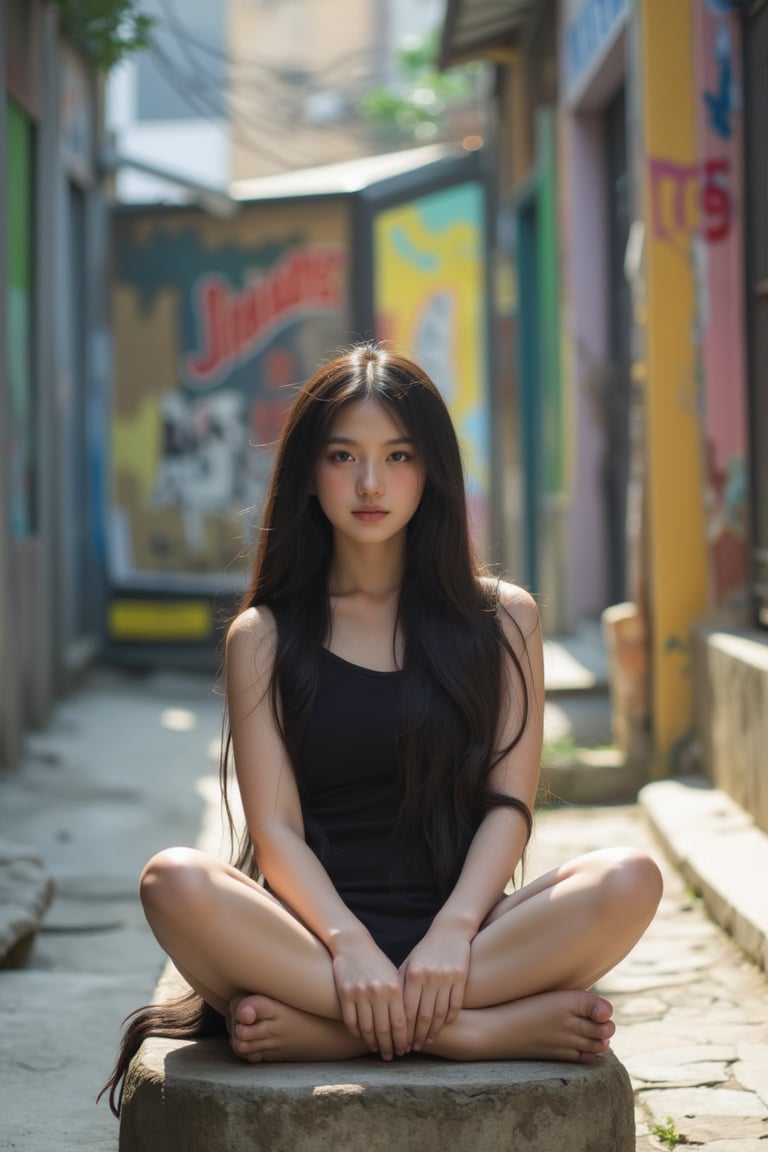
column 340, row 456
column 400, row 457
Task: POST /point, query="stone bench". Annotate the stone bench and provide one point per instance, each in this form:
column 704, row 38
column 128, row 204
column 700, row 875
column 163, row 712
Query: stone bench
column 196, row 1096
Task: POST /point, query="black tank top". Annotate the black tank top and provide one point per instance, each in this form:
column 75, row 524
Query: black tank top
column 351, row 794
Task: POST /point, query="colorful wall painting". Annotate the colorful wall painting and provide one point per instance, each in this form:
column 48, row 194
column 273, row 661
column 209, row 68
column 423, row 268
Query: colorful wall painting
column 215, row 323
column 430, row 303
column 721, row 305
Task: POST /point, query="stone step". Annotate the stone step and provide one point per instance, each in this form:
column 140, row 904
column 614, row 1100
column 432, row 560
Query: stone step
column 197, row 1096
column 26, row 891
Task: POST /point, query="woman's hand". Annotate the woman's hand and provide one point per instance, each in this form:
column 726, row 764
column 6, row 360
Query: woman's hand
column 371, row 997
column 434, row 977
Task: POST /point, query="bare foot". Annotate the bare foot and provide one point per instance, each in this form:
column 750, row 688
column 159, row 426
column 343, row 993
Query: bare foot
column 551, row 1026
column 263, row 1029
column 568, row 1026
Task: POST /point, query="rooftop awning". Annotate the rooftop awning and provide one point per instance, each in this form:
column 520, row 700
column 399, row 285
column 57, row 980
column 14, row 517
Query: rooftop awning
column 472, row 28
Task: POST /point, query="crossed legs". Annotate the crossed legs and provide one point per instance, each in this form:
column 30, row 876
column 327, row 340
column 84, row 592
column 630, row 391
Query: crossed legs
column 531, row 964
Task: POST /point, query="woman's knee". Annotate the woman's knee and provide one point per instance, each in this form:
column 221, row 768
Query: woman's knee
column 632, row 882
column 175, row 880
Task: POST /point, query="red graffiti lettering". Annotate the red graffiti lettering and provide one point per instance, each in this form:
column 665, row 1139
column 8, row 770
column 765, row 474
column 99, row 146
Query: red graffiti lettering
column 686, row 198
column 716, row 200
column 233, row 324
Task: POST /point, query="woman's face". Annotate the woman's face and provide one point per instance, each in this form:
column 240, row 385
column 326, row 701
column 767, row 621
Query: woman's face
column 369, row 478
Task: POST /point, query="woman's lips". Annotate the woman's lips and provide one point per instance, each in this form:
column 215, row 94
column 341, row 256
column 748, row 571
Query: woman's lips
column 369, row 515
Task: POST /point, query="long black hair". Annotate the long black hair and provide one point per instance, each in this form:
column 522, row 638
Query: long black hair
column 455, row 651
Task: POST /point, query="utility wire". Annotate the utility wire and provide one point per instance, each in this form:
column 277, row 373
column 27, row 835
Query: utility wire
column 254, row 66
column 197, row 100
column 242, row 127
column 279, row 103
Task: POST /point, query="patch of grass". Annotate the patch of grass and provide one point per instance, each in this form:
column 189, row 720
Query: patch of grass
column 565, row 749
column 667, row 1133
column 693, row 897
column 561, row 748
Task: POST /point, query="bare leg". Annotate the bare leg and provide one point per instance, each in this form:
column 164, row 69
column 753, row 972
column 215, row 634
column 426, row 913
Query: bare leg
column 566, row 929
column 226, row 934
column 538, row 948
column 563, row 931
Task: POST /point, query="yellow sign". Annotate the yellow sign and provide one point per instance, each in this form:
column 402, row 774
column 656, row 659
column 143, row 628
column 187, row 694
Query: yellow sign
column 184, row 620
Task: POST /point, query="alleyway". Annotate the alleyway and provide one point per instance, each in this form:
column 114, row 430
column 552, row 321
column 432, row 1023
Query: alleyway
column 127, row 767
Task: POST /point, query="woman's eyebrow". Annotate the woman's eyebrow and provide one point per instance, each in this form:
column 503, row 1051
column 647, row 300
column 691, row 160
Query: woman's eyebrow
column 350, row 440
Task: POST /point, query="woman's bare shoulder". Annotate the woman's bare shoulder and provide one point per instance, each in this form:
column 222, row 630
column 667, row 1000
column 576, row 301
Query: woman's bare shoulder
column 516, row 605
column 252, row 636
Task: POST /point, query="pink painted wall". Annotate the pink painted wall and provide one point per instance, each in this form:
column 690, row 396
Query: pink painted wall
column 721, row 297
column 584, row 211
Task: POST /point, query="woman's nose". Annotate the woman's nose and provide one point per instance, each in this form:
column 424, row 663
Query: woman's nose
column 369, row 482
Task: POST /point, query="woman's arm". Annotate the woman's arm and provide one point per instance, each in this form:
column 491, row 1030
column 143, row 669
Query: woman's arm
column 369, row 991
column 500, row 840
column 435, row 973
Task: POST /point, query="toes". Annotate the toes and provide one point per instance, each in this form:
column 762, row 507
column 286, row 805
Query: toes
column 249, row 1048
column 243, row 1010
column 598, row 1033
column 599, row 1010
column 244, row 1052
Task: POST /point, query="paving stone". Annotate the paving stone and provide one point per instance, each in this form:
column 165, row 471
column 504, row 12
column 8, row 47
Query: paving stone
column 643, row 1008
column 703, row 1129
column 706, row 1102
column 692, row 1075
column 751, row 1071
column 701, row 1052
column 735, row 1146
column 617, row 985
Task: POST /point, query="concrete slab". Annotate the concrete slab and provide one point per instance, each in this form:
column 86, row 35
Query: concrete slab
column 199, row 1097
column 721, row 853
column 576, row 662
column 26, row 890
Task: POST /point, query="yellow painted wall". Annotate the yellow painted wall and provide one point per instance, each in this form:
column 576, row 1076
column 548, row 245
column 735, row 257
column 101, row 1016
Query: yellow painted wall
column 676, row 556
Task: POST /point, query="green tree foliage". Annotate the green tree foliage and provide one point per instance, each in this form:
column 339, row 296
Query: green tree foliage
column 415, row 108
column 105, row 30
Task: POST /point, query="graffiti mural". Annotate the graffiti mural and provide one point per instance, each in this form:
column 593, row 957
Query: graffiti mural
column 720, row 303
column 430, row 304
column 215, row 325
column 690, row 198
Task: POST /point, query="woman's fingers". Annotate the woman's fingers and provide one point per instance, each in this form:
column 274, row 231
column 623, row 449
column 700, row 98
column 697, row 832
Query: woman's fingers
column 383, row 1026
column 349, row 1016
column 424, row 1018
column 428, row 1008
column 456, row 1003
column 367, row 1025
column 378, row 1019
column 371, row 999
column 439, row 1013
column 412, row 1000
column 399, row 1027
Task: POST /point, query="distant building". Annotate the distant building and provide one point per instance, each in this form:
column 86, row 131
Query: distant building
column 54, row 366
column 631, row 321
column 251, row 88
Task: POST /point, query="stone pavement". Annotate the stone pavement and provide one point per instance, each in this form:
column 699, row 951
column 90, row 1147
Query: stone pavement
column 691, row 1010
column 126, row 767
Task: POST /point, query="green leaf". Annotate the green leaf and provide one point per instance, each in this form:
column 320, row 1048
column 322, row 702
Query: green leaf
column 105, row 30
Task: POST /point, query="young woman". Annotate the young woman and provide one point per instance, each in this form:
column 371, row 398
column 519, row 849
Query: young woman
column 385, row 706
